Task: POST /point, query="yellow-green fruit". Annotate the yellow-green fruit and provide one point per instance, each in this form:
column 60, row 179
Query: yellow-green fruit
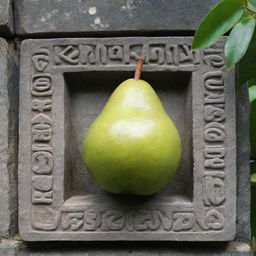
column 133, row 146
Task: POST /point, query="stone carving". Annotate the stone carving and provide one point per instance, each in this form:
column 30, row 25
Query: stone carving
column 40, row 59
column 44, row 218
column 214, row 220
column 42, row 158
column 48, row 209
column 214, row 186
column 93, row 219
column 74, row 220
column 183, row 221
column 100, row 54
column 213, row 57
column 41, row 85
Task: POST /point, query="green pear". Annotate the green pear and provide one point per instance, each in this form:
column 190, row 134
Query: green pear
column 133, row 146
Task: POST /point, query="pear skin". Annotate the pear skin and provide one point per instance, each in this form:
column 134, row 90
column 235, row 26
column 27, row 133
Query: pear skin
column 133, row 146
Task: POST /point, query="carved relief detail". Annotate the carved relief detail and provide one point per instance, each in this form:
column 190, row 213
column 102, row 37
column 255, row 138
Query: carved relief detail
column 94, row 218
column 42, row 158
column 214, row 176
column 102, row 54
column 213, row 57
column 143, row 220
column 40, row 59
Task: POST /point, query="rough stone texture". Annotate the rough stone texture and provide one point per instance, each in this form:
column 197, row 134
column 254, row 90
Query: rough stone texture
column 8, row 138
column 6, row 18
column 9, row 248
column 231, row 249
column 50, row 208
column 129, row 16
column 243, row 165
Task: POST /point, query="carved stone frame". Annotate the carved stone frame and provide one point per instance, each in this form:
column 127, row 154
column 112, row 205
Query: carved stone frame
column 43, row 212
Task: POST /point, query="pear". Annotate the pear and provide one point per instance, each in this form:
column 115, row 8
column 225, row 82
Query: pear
column 133, row 146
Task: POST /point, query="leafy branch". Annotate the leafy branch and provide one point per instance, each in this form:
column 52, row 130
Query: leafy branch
column 239, row 18
column 235, row 15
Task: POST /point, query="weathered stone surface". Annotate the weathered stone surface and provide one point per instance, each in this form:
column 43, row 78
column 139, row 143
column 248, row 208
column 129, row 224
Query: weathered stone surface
column 6, row 18
column 78, row 16
column 243, row 165
column 14, row 248
column 231, row 249
column 59, row 75
column 8, row 248
column 8, row 138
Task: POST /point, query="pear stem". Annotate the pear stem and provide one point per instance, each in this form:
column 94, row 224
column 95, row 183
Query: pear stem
column 140, row 63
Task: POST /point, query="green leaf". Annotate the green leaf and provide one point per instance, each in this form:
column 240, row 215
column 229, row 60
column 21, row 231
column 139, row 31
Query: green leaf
column 252, row 93
column 246, row 68
column 252, row 4
column 217, row 22
column 238, row 41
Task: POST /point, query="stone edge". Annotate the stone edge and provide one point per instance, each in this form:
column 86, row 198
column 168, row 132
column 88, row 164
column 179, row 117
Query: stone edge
column 9, row 144
column 7, row 27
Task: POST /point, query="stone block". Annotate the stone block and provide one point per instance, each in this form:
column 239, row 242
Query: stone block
column 64, row 83
column 9, row 248
column 243, row 165
column 6, row 18
column 183, row 249
column 8, row 138
column 97, row 16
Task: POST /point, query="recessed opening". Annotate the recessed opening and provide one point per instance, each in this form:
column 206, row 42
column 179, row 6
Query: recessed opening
column 86, row 94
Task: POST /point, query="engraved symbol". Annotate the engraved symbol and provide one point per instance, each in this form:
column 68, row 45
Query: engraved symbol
column 214, row 80
column 42, row 189
column 41, row 128
column 213, row 58
column 214, row 98
column 214, row 220
column 42, row 162
column 113, row 220
column 93, row 55
column 69, row 54
column 214, row 132
column 146, row 220
column 100, row 55
column 91, row 220
column 41, row 85
column 188, row 56
column 214, row 157
column 183, row 221
column 157, row 55
column 214, row 191
column 40, row 59
column 73, row 220
column 42, row 182
column 172, row 54
column 45, row 218
column 115, row 52
column 39, row 197
column 213, row 113
column 41, row 105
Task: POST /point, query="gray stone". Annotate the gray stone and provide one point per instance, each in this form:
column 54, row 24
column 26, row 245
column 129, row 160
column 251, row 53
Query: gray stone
column 8, row 138
column 231, row 249
column 6, row 18
column 97, row 16
column 243, row 166
column 14, row 248
column 65, row 82
column 9, row 248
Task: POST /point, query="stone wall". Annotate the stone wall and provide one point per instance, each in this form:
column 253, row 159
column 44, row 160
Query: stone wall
column 30, row 19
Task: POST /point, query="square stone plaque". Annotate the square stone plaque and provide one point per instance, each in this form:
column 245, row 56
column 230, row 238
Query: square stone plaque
column 64, row 84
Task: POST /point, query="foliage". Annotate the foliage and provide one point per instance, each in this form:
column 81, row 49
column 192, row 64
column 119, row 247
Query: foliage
column 238, row 17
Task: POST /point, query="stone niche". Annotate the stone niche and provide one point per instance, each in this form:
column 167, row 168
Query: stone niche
column 64, row 84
